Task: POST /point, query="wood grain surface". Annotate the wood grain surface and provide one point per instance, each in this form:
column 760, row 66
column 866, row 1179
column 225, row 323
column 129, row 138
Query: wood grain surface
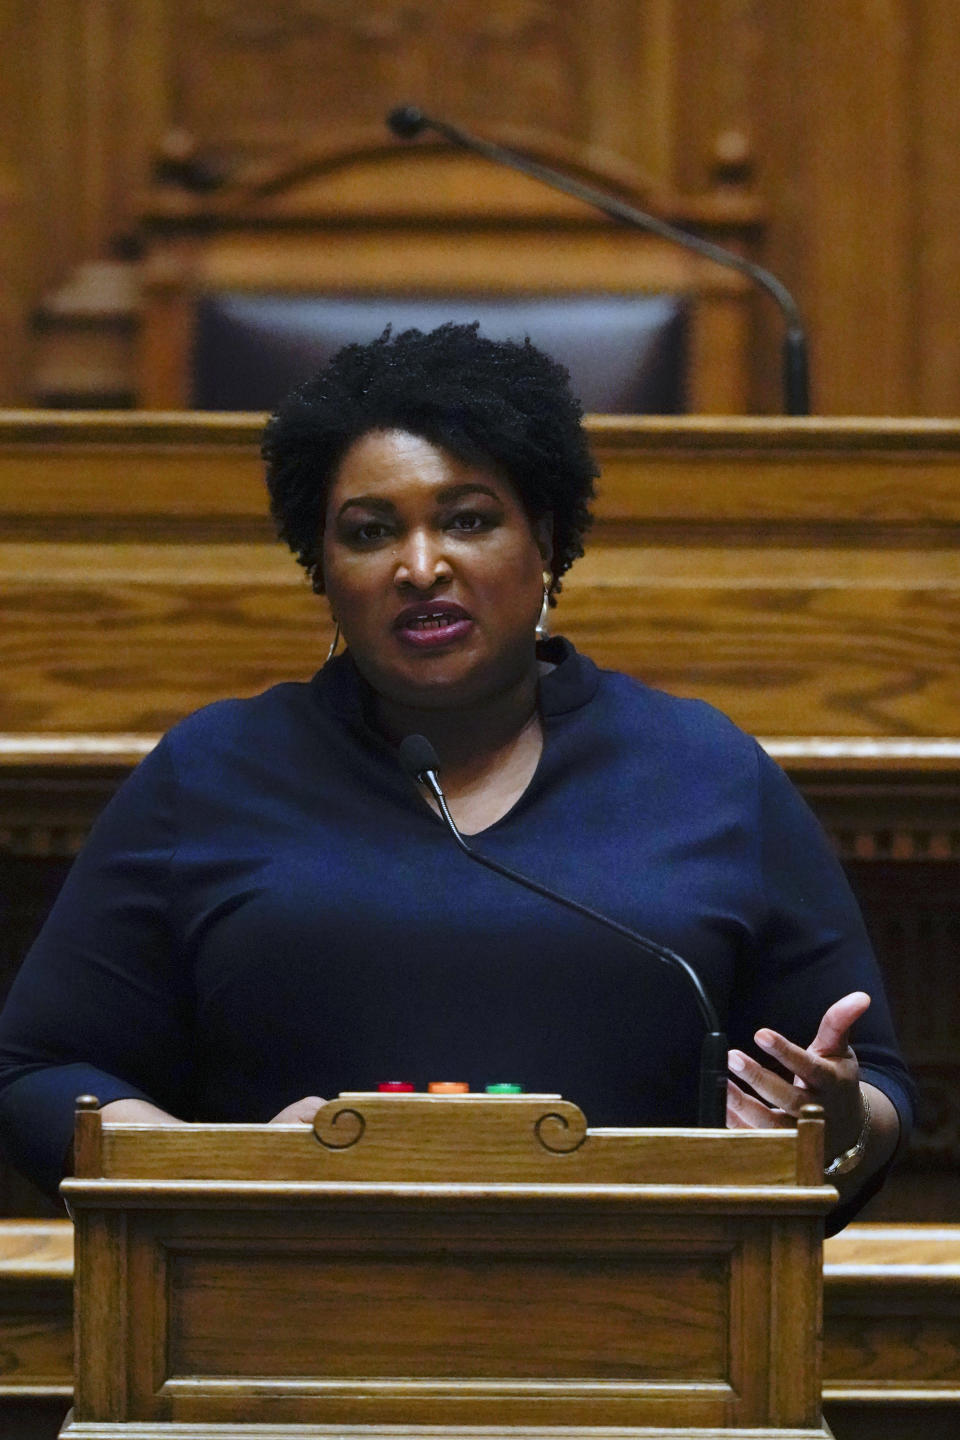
column 467, row 1140
column 843, row 112
column 451, row 1276
column 36, row 1326
column 361, row 1313
column 891, row 1298
column 803, row 576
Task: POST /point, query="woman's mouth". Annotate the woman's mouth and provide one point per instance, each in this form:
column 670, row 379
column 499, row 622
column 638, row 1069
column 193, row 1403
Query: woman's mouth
column 433, row 625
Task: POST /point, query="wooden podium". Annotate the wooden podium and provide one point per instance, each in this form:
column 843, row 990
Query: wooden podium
column 418, row 1265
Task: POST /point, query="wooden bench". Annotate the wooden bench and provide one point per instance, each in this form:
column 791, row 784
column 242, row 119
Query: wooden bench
column 36, row 1327
column 892, row 1331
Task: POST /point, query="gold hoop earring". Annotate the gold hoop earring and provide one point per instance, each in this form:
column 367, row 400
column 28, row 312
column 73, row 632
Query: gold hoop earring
column 543, row 627
column 333, row 643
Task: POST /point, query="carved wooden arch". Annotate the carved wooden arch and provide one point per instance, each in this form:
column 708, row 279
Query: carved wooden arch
column 428, row 157
column 339, row 149
column 360, row 214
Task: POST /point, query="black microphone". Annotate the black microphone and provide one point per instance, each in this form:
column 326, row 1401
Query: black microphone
column 419, row 760
column 407, row 121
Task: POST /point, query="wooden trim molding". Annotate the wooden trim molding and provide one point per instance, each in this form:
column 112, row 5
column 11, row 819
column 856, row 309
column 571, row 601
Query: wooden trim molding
column 796, row 753
column 882, row 799
column 19, row 750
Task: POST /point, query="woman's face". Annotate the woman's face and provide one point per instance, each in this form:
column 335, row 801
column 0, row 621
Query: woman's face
column 433, row 570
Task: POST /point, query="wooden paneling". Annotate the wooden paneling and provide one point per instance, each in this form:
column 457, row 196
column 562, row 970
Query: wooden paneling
column 719, row 60
column 839, row 116
column 844, row 112
column 935, row 319
column 892, row 1332
column 893, row 1288
column 18, row 220
column 95, row 113
column 802, row 578
column 593, row 72
column 83, row 107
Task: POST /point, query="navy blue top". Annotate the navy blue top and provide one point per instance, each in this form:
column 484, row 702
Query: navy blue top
column 268, row 909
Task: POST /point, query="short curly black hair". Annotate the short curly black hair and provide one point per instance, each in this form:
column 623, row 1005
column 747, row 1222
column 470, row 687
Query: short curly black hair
column 482, row 400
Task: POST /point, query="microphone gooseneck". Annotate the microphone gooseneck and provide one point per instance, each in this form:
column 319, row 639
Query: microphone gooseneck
column 409, row 121
column 420, row 761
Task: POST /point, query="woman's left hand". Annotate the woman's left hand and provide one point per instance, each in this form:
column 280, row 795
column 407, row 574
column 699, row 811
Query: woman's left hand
column 825, row 1073
column 300, row 1112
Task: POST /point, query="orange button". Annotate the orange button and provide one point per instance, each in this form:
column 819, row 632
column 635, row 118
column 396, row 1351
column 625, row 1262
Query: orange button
column 448, row 1087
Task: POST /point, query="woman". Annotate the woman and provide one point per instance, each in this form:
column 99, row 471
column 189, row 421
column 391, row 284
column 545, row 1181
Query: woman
column 268, row 911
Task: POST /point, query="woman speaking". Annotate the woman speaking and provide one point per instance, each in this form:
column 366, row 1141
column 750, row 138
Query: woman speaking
column 270, row 910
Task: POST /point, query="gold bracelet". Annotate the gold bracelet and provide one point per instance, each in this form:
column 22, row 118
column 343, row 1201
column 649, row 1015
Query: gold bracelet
column 848, row 1160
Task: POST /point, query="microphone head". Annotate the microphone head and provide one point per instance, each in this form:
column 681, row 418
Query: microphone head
column 406, row 121
column 417, row 756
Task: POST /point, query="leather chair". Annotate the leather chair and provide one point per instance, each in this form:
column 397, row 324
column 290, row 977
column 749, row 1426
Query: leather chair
column 626, row 354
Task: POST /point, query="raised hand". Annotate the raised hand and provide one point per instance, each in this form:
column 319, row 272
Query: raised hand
column 826, row 1072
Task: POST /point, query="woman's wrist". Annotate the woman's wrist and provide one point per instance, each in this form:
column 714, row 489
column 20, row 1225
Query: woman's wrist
column 849, row 1159
column 880, row 1142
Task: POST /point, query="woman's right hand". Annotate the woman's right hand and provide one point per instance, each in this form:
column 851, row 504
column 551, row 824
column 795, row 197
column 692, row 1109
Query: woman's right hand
column 301, row 1110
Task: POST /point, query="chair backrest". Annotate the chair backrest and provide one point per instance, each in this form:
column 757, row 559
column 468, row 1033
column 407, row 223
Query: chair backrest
column 626, row 354
column 247, row 290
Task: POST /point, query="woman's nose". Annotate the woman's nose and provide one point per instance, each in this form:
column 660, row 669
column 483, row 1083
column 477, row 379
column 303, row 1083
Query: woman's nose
column 421, row 562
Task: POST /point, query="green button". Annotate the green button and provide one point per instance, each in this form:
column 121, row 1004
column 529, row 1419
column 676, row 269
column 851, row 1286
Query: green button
column 504, row 1089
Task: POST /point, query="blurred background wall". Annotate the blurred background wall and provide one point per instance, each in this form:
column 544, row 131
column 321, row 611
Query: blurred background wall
column 838, row 116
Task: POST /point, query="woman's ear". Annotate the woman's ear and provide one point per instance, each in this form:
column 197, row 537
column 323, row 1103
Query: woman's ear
column 543, row 533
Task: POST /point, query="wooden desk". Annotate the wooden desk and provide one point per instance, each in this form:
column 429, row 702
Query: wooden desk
column 426, row 1264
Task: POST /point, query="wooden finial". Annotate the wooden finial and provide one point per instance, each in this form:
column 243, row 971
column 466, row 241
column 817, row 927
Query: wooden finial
column 87, row 1137
column 810, row 1132
column 731, row 162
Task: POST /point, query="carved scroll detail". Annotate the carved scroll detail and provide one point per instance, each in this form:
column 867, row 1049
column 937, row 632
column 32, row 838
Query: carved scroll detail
column 557, row 1134
column 338, row 1127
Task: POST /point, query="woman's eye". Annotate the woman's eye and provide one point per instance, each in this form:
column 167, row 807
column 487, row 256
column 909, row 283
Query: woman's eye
column 469, row 520
column 369, row 531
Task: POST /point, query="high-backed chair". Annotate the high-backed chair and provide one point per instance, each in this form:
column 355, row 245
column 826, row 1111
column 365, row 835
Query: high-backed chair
column 248, row 289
